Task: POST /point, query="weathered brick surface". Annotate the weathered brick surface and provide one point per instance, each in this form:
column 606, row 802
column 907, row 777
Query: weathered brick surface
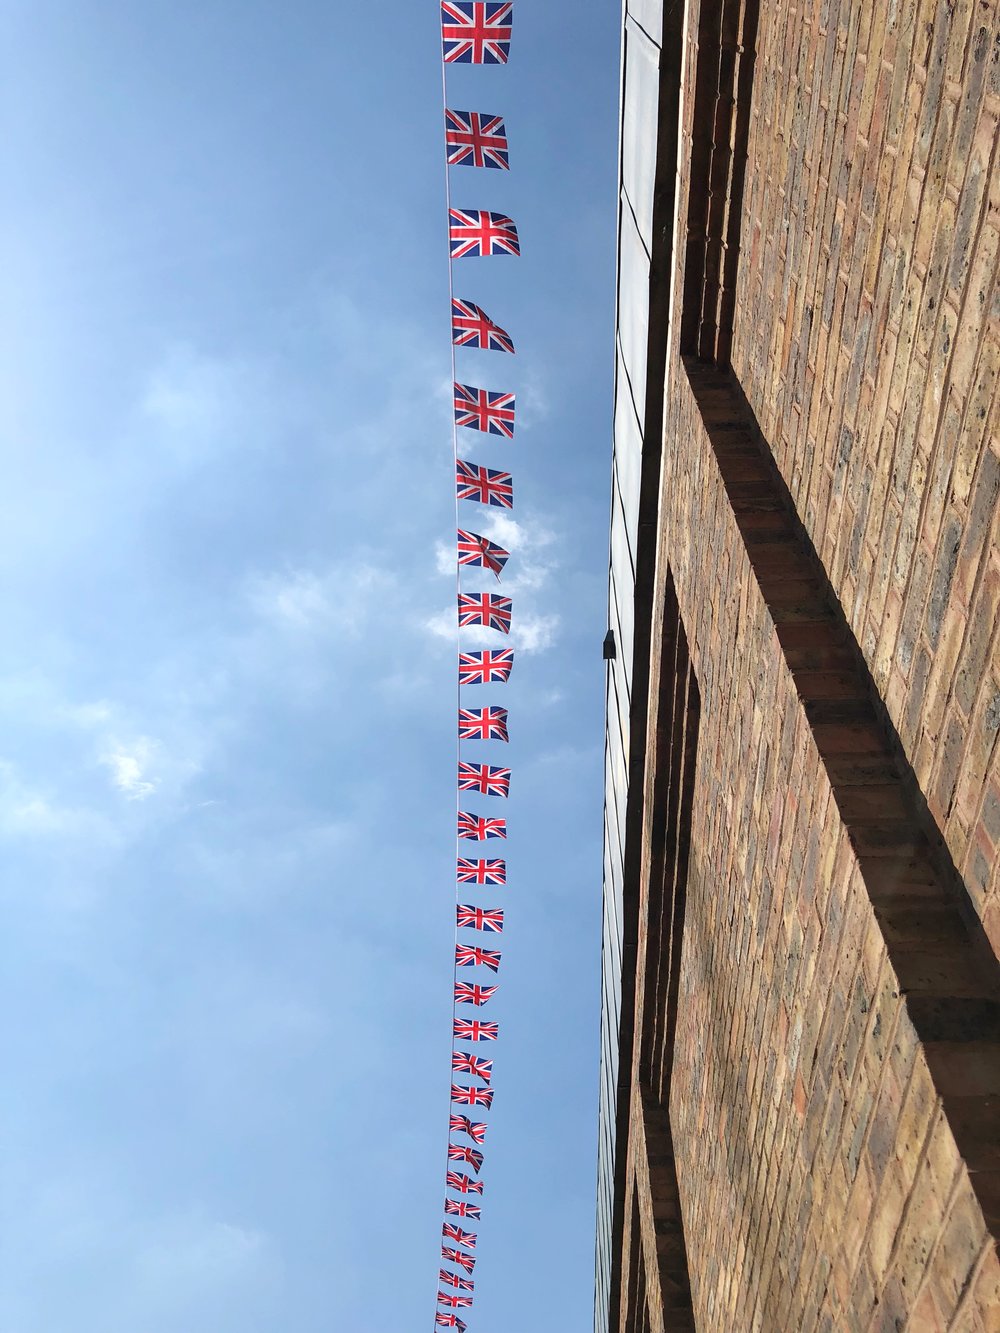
column 821, row 1184
column 837, row 1161
column 867, row 339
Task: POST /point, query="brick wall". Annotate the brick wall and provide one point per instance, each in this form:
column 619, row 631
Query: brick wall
column 867, row 338
column 834, row 1093
column 820, row 1181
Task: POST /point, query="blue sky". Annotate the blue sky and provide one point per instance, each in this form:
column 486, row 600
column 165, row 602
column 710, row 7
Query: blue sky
column 227, row 701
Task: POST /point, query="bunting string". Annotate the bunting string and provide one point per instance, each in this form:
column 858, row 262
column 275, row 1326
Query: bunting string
column 474, row 32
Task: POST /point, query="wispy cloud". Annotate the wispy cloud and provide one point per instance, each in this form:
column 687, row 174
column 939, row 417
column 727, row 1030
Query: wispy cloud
column 533, row 548
column 191, row 1254
column 529, row 633
column 129, row 766
column 197, row 402
column 534, row 634
column 27, row 811
column 532, row 402
column 343, row 597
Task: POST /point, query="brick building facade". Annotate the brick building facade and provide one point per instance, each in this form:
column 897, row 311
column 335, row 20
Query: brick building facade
column 800, row 1097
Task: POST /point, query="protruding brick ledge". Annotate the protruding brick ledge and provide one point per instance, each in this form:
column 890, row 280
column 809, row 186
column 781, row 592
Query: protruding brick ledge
column 949, row 980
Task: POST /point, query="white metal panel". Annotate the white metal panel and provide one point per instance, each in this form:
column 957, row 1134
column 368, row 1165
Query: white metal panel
column 649, row 14
column 642, row 95
column 633, row 306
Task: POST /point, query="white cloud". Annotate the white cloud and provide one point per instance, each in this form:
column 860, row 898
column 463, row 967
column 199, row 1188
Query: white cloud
column 532, row 403
column 28, row 812
column 527, row 539
column 191, row 1254
column 129, row 768
column 341, row 598
column 300, row 599
column 444, row 625
column 444, row 559
column 533, row 562
column 88, row 716
column 534, row 634
column 532, row 543
column 529, row 633
column 196, row 401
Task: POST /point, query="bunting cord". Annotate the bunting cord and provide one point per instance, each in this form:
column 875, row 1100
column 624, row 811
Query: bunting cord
column 487, row 732
column 458, row 567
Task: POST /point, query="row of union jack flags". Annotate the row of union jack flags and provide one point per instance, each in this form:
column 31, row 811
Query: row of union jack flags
column 475, row 32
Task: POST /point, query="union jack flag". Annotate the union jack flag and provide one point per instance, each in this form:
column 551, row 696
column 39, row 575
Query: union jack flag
column 452, row 1232
column 470, row 1096
column 489, row 667
column 487, row 779
column 467, row 1261
column 485, row 409
column 476, row 32
column 485, row 485
column 478, row 232
column 471, row 1156
column 463, row 1063
column 475, row 139
column 455, row 1233
column 471, row 1029
column 461, row 1124
column 469, row 956
column 463, row 1184
column 459, row 1208
column 453, row 1280
column 477, row 995
column 482, row 724
column 472, row 327
column 478, row 828
column 454, row 1302
column 485, row 608
column 481, row 872
column 476, row 550
column 489, row 919
column 450, row 1321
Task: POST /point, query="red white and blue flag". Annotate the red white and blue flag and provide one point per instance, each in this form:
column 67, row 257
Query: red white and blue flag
column 472, row 956
column 476, row 32
column 471, row 1029
column 472, row 327
column 488, row 919
column 448, row 1320
column 477, row 995
column 461, row 1124
column 481, row 872
column 470, row 1096
column 454, row 1302
column 455, row 1180
column 484, row 608
column 476, row 233
column 475, row 139
column 487, row 779
column 459, row 1208
column 453, row 1280
column 479, row 828
column 486, row 410
column 467, row 1261
column 491, row 666
column 464, row 1063
column 470, row 1156
column 479, row 551
column 483, row 724
column 484, row 485
column 452, row 1232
